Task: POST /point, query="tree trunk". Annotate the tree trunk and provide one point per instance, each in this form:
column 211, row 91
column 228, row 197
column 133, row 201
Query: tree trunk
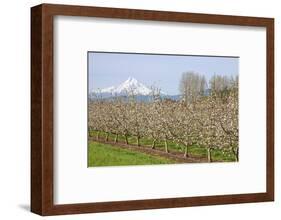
column 236, row 153
column 177, row 146
column 209, row 152
column 98, row 135
column 153, row 144
column 166, row 146
column 126, row 139
column 90, row 133
column 186, row 151
column 138, row 141
column 107, row 135
column 116, row 138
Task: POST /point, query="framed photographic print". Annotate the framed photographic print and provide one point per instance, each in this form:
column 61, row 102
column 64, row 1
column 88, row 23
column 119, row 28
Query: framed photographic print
column 138, row 109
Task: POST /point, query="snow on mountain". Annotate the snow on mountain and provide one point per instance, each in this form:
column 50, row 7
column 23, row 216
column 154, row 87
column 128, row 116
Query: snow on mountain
column 131, row 85
column 106, row 90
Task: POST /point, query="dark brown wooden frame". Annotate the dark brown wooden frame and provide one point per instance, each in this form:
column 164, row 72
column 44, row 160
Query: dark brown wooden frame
column 42, row 109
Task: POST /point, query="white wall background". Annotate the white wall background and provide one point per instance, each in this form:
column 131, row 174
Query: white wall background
column 15, row 108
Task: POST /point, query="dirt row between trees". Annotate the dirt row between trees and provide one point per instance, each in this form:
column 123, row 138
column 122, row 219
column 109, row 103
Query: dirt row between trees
column 172, row 155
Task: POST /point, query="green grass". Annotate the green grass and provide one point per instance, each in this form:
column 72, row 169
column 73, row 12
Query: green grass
column 107, row 155
column 195, row 150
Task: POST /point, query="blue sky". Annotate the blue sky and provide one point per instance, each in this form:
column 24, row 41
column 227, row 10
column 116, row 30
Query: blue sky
column 163, row 71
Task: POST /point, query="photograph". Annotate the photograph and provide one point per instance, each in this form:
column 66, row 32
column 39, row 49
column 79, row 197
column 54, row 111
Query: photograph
column 147, row 109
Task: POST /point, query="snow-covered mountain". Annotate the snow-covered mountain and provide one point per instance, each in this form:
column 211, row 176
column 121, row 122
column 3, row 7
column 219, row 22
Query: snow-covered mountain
column 130, row 86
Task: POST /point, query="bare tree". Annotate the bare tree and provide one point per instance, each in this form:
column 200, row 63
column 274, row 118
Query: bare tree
column 192, row 85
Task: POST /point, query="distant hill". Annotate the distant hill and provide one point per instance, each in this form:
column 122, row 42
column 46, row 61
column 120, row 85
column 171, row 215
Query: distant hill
column 130, row 86
column 140, row 98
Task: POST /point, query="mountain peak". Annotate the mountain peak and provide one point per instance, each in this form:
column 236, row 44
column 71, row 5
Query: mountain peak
column 131, row 80
column 131, row 85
